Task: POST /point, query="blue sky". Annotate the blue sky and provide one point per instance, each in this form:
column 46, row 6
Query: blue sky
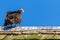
column 37, row 12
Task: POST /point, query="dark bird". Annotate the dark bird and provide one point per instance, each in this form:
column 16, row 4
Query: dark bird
column 13, row 17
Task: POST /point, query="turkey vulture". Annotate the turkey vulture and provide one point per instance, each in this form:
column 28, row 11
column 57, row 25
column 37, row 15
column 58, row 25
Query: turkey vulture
column 13, row 17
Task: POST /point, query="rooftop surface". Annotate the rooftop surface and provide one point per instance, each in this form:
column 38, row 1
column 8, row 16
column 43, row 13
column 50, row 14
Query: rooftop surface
column 31, row 32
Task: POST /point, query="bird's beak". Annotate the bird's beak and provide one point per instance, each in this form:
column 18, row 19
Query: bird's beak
column 23, row 11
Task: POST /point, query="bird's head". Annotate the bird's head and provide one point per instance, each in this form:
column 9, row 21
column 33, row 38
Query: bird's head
column 21, row 10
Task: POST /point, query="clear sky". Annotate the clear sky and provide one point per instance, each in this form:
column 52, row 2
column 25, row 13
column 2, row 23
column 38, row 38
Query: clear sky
column 37, row 12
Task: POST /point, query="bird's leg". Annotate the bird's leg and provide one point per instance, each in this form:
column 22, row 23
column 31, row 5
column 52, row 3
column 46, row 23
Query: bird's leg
column 11, row 26
column 14, row 24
